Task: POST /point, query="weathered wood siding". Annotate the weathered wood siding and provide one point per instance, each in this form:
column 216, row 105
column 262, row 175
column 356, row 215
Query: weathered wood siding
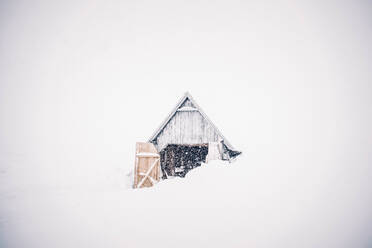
column 147, row 165
column 186, row 127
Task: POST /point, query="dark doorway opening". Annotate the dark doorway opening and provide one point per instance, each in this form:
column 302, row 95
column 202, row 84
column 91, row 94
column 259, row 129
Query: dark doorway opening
column 178, row 160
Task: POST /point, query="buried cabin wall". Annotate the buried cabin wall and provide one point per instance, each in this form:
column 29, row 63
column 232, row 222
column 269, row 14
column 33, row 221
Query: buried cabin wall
column 186, row 127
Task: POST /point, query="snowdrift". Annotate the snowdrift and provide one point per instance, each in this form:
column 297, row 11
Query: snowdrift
column 218, row 204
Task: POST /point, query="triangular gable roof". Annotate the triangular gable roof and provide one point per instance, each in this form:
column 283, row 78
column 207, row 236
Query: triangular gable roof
column 186, row 97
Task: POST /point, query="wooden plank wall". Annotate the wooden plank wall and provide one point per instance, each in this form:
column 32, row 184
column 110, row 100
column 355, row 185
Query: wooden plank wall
column 143, row 162
column 187, row 127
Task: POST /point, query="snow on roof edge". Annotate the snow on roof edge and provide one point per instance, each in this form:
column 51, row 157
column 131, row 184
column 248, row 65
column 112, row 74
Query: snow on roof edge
column 174, row 111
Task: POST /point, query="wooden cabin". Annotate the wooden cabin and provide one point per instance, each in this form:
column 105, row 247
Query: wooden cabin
column 185, row 139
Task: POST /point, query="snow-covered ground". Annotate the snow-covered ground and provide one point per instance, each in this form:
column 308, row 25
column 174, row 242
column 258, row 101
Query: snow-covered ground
column 219, row 204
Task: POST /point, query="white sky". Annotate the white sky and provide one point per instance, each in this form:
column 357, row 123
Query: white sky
column 287, row 82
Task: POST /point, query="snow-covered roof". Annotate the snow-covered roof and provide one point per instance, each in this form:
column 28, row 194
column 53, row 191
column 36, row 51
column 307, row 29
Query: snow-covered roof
column 196, row 107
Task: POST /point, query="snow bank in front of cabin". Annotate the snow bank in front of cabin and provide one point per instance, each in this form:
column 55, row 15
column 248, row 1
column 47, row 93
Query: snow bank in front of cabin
column 215, row 205
column 209, row 174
